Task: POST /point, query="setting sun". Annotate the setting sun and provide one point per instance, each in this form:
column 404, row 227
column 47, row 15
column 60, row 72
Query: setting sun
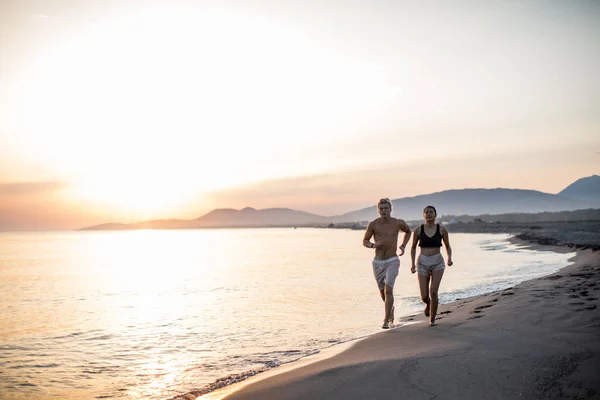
column 147, row 109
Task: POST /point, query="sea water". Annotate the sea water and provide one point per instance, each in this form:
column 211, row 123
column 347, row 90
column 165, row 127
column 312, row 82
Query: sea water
column 154, row 314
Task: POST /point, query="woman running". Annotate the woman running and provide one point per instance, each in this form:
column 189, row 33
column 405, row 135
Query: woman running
column 429, row 236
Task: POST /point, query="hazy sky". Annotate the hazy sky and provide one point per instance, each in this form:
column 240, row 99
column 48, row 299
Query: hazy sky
column 127, row 110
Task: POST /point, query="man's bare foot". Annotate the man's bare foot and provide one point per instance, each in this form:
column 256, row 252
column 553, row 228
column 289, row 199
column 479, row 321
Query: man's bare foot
column 385, row 325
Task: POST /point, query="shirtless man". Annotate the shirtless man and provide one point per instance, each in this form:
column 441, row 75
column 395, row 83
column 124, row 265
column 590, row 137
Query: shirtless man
column 386, row 262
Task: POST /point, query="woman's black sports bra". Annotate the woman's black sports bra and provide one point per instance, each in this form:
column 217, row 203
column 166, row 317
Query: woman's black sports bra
column 434, row 241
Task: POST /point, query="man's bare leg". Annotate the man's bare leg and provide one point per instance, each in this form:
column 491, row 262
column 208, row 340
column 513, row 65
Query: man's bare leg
column 424, row 289
column 436, row 279
column 383, row 297
column 389, row 304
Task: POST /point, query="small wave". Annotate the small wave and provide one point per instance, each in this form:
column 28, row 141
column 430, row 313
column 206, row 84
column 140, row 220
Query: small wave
column 235, row 378
column 91, row 370
column 13, row 348
column 70, row 335
column 493, row 247
column 218, row 384
column 34, row 366
column 283, row 352
column 101, row 337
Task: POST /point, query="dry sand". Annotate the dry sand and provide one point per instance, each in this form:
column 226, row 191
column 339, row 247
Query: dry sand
column 538, row 340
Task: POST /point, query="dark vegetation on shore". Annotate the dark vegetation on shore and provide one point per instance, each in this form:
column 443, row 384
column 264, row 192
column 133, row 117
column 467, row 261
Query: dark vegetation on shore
column 590, row 214
column 577, row 234
column 575, row 229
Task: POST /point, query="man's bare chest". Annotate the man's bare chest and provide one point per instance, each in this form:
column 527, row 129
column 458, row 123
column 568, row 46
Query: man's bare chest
column 386, row 230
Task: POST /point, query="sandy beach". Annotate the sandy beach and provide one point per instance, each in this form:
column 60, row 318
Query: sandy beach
column 537, row 340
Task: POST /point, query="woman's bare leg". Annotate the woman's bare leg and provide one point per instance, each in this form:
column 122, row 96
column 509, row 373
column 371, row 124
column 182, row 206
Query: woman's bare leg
column 424, row 288
column 436, row 279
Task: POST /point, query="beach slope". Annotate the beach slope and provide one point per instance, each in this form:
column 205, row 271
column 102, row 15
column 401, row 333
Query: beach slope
column 538, row 340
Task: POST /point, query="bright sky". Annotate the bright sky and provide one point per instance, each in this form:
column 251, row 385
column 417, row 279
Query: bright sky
column 119, row 111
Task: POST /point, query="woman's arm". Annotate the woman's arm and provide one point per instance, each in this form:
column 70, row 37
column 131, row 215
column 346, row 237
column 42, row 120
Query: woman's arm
column 413, row 249
column 447, row 244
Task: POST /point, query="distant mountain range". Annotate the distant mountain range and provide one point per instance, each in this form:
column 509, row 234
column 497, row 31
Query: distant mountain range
column 582, row 194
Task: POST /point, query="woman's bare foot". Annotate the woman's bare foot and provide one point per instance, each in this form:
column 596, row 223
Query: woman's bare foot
column 386, row 325
column 426, row 310
column 432, row 323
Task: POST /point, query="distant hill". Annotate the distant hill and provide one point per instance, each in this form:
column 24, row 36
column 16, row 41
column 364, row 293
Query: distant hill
column 227, row 218
column 472, row 202
column 585, row 189
column 252, row 217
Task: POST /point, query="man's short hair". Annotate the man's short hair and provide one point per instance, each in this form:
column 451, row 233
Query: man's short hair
column 385, row 200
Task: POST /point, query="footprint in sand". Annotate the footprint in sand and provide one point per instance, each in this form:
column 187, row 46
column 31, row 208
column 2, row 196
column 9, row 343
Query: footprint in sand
column 479, row 310
column 553, row 278
column 588, row 308
column 582, row 275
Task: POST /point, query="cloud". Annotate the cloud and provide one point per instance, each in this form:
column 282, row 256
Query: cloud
column 30, row 188
column 43, row 206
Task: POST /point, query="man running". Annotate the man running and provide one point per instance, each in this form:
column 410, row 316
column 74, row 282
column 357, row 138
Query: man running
column 386, row 262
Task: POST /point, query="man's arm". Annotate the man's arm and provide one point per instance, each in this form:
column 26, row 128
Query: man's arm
column 368, row 235
column 413, row 249
column 406, row 229
column 447, row 244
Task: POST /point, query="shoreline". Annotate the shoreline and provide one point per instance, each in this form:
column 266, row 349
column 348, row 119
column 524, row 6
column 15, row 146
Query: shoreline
column 298, row 377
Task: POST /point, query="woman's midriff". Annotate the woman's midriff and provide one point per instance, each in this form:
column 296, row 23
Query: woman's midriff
column 430, row 251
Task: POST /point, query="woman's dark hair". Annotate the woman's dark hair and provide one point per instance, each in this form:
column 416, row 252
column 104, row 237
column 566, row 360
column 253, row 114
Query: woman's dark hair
column 432, row 207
